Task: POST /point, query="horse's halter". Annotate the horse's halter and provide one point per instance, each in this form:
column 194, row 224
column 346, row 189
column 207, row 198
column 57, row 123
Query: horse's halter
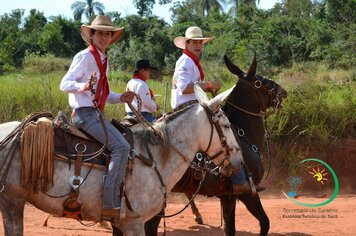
column 258, row 85
column 214, row 120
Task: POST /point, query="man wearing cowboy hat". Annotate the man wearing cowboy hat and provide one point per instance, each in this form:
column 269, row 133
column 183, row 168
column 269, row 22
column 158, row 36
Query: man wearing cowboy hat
column 138, row 84
column 87, row 84
column 188, row 69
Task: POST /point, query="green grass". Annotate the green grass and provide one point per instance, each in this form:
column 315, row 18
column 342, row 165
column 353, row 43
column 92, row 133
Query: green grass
column 23, row 93
column 321, row 106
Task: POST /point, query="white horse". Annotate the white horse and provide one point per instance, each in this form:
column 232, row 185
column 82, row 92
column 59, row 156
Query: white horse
column 182, row 135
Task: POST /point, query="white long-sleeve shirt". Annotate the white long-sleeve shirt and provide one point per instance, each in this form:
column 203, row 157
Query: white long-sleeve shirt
column 141, row 88
column 73, row 82
column 185, row 73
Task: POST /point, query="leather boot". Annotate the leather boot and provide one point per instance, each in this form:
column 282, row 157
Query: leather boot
column 111, row 214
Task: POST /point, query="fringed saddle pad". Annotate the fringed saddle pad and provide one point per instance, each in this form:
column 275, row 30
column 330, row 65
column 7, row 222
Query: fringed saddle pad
column 37, row 153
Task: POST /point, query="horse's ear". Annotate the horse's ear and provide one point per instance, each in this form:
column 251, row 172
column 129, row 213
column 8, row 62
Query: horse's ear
column 252, row 70
column 233, row 68
column 200, row 94
column 214, row 103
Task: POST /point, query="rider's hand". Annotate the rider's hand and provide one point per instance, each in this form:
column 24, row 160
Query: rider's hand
column 215, row 85
column 92, row 80
column 127, row 96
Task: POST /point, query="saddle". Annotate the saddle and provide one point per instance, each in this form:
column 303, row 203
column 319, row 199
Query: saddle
column 69, row 140
column 72, row 143
column 69, row 144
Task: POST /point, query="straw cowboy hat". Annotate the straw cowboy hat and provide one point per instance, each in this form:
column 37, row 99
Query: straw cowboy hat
column 101, row 23
column 193, row 32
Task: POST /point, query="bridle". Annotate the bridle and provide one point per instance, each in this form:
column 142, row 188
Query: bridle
column 213, row 118
column 273, row 101
column 258, row 85
column 214, row 121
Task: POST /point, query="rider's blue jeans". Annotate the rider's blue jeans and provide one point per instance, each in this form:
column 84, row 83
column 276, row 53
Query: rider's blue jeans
column 239, row 178
column 87, row 118
column 147, row 115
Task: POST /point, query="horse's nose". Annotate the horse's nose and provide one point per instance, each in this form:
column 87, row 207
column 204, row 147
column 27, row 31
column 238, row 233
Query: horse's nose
column 237, row 163
column 284, row 93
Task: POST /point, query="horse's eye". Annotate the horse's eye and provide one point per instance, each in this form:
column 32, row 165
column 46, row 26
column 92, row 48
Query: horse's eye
column 227, row 126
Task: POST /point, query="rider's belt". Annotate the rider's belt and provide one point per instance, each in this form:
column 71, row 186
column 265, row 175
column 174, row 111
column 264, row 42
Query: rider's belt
column 74, row 113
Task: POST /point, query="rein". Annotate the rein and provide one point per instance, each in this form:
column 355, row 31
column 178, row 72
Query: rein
column 139, row 116
column 241, row 133
column 214, row 121
column 190, row 200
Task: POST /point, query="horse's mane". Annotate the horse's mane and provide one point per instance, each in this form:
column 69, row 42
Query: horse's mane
column 158, row 135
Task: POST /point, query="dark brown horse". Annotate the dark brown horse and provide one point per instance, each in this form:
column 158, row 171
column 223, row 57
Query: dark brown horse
column 245, row 108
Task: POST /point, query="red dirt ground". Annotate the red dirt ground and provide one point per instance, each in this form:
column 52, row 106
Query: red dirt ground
column 340, row 223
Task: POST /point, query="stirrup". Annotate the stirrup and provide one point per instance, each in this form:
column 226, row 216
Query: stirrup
column 253, row 187
column 123, row 208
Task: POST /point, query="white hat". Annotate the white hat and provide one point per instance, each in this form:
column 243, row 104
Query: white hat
column 101, row 23
column 193, row 32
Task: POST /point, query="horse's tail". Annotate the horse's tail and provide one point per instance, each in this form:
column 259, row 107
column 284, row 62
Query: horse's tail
column 37, row 155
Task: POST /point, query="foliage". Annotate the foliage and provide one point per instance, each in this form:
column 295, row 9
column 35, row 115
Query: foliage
column 60, row 37
column 10, row 40
column 88, row 8
column 144, row 38
column 35, row 63
column 144, row 7
column 320, row 107
column 293, row 31
column 23, row 94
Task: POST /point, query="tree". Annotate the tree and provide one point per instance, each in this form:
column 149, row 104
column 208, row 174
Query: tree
column 144, row 38
column 187, row 12
column 32, row 29
column 88, row 8
column 236, row 5
column 144, row 7
column 208, row 5
column 341, row 11
column 60, row 37
column 10, row 40
column 298, row 8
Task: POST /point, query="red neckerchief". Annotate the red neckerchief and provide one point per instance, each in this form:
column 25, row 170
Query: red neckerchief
column 138, row 76
column 103, row 89
column 196, row 61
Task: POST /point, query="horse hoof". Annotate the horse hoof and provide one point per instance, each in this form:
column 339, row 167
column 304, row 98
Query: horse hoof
column 199, row 220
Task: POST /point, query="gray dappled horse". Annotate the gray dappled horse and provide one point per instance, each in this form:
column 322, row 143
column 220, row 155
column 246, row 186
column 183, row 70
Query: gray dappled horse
column 181, row 135
column 245, row 108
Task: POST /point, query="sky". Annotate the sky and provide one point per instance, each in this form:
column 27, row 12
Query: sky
column 125, row 7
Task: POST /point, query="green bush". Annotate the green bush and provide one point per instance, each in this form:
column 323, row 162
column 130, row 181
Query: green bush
column 320, row 107
column 36, row 63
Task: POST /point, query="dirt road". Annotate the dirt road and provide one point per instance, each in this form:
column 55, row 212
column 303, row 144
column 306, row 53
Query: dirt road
column 286, row 218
